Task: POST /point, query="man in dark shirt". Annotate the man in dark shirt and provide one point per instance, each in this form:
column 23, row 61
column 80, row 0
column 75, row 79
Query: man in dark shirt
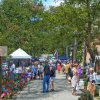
column 46, row 77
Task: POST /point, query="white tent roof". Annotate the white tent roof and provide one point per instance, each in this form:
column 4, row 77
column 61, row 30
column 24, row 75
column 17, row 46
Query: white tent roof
column 20, row 54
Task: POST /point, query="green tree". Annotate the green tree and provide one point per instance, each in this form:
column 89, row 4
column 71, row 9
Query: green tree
column 16, row 26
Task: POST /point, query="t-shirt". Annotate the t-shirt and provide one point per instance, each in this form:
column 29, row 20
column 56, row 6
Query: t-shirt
column 52, row 73
column 46, row 70
column 66, row 68
column 34, row 69
column 19, row 70
column 12, row 68
column 29, row 74
column 92, row 77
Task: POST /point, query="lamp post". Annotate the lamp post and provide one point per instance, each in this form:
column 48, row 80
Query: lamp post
column 74, row 49
column 66, row 51
column 72, row 54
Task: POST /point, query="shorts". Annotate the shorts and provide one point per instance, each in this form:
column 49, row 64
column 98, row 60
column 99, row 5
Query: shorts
column 52, row 79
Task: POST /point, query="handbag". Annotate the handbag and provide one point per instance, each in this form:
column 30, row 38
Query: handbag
column 77, row 87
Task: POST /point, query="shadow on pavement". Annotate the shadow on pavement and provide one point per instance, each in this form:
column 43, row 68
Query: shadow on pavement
column 35, row 89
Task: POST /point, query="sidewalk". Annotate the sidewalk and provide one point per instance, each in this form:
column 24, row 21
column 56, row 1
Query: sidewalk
column 33, row 91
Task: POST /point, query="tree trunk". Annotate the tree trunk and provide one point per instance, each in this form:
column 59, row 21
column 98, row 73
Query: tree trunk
column 84, row 55
column 90, row 52
column 88, row 31
column 75, row 50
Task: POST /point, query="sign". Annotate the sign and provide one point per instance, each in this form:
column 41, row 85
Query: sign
column 3, row 51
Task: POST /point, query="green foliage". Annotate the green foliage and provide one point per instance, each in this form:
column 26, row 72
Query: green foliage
column 86, row 96
column 25, row 24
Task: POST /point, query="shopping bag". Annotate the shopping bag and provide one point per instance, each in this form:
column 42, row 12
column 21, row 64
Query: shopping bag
column 69, row 78
column 77, row 87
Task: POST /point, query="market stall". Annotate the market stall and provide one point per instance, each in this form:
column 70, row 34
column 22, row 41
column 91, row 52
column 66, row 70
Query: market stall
column 20, row 57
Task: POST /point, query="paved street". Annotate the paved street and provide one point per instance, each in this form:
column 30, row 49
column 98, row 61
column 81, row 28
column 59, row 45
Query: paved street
column 33, row 91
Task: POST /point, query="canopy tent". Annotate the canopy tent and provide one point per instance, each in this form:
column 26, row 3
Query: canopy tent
column 20, row 54
column 63, row 58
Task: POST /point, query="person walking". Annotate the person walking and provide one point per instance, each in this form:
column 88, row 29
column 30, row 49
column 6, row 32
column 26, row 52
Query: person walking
column 40, row 70
column 12, row 70
column 52, row 76
column 46, row 77
column 70, row 72
column 79, row 70
column 74, row 82
column 66, row 67
column 58, row 68
column 35, row 69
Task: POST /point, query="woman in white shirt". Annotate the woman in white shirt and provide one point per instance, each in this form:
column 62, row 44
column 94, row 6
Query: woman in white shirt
column 92, row 75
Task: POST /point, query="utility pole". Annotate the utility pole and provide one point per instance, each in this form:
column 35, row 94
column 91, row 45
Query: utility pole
column 72, row 53
column 84, row 55
column 66, row 51
column 74, row 50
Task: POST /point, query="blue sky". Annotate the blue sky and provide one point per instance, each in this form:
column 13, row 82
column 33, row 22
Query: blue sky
column 52, row 3
column 48, row 3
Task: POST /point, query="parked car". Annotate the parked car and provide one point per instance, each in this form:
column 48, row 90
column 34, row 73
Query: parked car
column 42, row 59
column 53, row 59
column 63, row 58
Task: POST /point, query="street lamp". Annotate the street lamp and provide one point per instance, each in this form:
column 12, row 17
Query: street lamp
column 72, row 51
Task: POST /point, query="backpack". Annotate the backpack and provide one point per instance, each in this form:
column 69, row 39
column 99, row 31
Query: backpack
column 70, row 72
column 52, row 72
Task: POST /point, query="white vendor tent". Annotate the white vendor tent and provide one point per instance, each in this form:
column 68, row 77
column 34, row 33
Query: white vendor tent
column 20, row 54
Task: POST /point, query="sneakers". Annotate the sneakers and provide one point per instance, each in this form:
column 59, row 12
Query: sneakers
column 51, row 90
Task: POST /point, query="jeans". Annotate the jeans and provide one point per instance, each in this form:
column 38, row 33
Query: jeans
column 46, row 81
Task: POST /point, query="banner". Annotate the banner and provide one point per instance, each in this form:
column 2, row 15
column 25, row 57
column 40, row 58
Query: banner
column 56, row 54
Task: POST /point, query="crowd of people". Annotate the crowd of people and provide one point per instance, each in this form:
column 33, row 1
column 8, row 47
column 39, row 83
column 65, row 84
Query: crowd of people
column 14, row 79
column 74, row 73
column 46, row 71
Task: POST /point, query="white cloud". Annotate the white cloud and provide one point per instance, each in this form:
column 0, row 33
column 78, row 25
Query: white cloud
column 57, row 3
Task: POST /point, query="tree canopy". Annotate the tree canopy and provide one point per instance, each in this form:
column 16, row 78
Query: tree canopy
column 26, row 24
